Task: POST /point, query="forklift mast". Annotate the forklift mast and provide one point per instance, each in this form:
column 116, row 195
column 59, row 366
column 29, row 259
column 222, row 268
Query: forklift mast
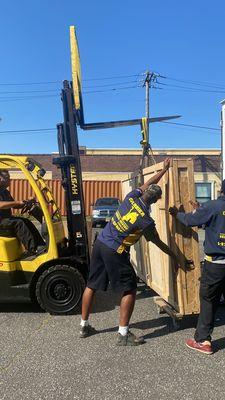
column 69, row 163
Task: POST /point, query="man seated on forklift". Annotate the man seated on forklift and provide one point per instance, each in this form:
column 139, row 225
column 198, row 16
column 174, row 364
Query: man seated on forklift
column 110, row 255
column 22, row 228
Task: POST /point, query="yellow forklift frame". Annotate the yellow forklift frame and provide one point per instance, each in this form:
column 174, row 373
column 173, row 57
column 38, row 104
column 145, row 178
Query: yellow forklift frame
column 22, row 279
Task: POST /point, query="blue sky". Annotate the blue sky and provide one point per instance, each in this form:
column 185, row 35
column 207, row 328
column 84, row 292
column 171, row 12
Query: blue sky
column 179, row 40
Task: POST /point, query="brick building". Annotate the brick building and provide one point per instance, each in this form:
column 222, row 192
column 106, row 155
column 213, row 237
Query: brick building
column 116, row 164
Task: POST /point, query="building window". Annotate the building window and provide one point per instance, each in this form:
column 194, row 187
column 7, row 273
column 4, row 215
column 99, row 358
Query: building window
column 203, row 192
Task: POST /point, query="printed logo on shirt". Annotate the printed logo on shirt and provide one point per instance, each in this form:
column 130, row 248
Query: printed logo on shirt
column 136, row 207
column 131, row 217
column 122, row 222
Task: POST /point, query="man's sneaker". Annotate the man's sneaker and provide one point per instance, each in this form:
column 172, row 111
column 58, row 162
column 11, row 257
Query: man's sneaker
column 129, row 340
column 86, row 331
column 201, row 347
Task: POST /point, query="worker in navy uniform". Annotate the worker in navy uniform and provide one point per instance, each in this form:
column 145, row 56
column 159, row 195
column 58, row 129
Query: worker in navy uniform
column 212, row 215
column 110, row 256
column 19, row 227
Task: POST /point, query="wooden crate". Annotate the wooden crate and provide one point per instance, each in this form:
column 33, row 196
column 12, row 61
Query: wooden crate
column 180, row 291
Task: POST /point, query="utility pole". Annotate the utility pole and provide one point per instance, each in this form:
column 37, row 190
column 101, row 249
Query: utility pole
column 222, row 123
column 147, row 90
column 149, row 78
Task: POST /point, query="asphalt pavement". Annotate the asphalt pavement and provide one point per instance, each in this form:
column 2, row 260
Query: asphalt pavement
column 42, row 356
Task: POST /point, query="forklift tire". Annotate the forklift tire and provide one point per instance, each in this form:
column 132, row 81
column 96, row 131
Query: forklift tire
column 59, row 289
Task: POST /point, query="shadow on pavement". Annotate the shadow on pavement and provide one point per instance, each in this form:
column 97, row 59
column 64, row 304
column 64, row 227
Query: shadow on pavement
column 161, row 325
column 104, row 301
column 20, row 308
column 164, row 326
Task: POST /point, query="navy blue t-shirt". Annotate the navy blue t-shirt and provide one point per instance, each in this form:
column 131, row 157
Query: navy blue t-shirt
column 128, row 223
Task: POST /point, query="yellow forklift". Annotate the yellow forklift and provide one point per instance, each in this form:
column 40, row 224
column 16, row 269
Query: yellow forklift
column 55, row 276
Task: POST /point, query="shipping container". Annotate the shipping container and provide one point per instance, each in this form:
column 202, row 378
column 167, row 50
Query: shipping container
column 21, row 190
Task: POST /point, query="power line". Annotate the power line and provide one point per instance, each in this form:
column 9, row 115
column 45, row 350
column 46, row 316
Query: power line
column 192, row 82
column 60, row 81
column 191, row 126
column 25, row 131
column 30, row 83
column 198, row 83
column 53, row 90
column 28, row 91
column 109, row 84
column 8, row 99
column 112, row 89
column 117, row 87
column 191, row 88
column 112, row 77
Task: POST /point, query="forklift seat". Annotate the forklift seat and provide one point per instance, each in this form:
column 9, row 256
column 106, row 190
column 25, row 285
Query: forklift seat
column 6, row 233
column 10, row 248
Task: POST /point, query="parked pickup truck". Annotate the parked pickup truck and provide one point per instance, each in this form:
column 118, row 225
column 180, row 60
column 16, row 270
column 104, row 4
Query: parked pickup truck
column 103, row 210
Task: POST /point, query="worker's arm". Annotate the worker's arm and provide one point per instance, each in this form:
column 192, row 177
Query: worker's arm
column 5, row 205
column 153, row 236
column 156, row 178
column 200, row 216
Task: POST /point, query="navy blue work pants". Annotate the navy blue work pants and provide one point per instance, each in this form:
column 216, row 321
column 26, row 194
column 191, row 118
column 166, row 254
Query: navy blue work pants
column 24, row 230
column 211, row 287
